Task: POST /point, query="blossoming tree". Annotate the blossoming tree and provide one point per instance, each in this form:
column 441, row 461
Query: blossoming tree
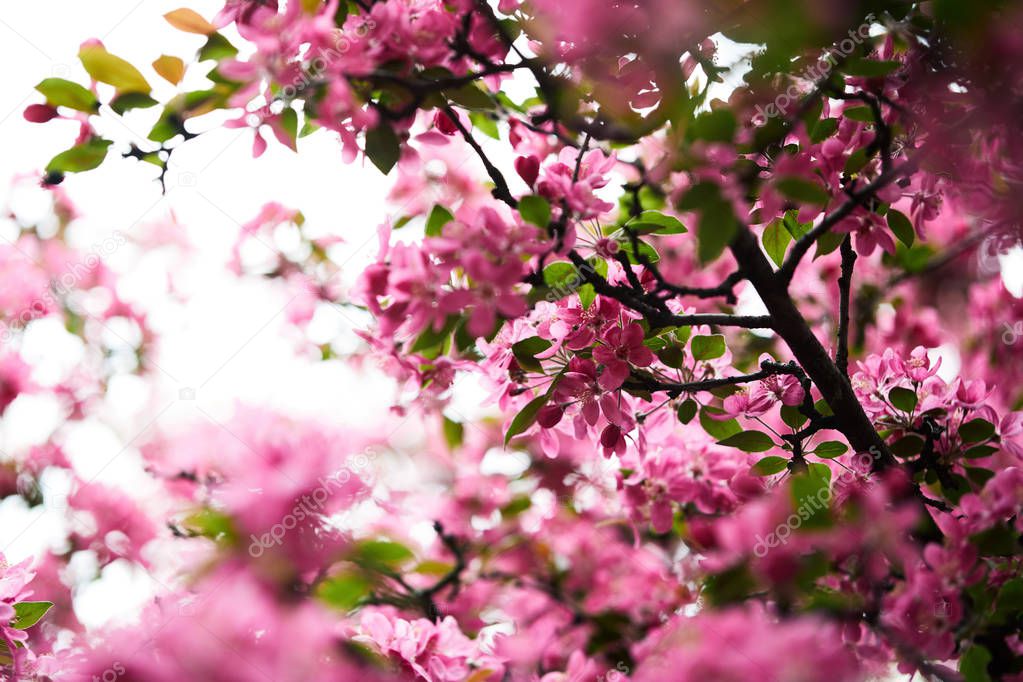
column 727, row 269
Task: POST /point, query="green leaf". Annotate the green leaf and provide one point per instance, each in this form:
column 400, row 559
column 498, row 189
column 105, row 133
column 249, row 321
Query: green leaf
column 776, row 240
column 973, row 664
column 856, row 161
column 381, row 554
column 792, row 416
column 28, row 613
column 525, row 418
column 999, row 540
column 830, row 449
column 485, row 124
column 718, row 428
column 823, row 129
column 111, row 69
column 132, row 100
column 655, row 222
column 907, row 446
column 431, row 339
column 648, row 252
column 212, row 524
column 454, row 432
column 901, row 227
column 700, row 196
column 344, row 591
column 801, row 190
column 432, row 567
column 525, row 352
column 827, row 243
column 1010, row 600
column 792, row 225
column 289, row 123
column 714, row 126
column 707, row 347
column 535, row 209
column 715, row 230
column 976, row 430
column 167, row 126
column 516, row 506
column 861, row 114
column 217, row 47
column 903, row 399
column 561, row 275
column 79, row 158
column 471, row 97
column 769, row 466
column 811, row 496
column 979, row 452
column 587, row 295
column 749, row 441
column 383, row 148
column 868, row 68
column 64, row 93
column 438, row 218
column 687, row 410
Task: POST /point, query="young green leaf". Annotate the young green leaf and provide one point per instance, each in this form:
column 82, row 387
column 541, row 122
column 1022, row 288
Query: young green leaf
column 383, row 148
column 525, row 418
column 64, row 93
column 717, row 428
column 28, row 613
column 903, row 399
column 708, row 347
column 535, row 209
column 655, row 222
column 769, row 466
column 901, row 227
column 438, row 218
column 79, row 158
column 976, row 430
column 776, row 240
column 687, row 410
column 830, row 449
column 749, row 441
column 111, row 69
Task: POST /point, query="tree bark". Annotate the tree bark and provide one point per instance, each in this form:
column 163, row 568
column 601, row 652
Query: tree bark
column 792, row 328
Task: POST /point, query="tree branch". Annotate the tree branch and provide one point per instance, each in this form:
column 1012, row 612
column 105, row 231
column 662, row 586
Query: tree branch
column 856, row 198
column 844, row 287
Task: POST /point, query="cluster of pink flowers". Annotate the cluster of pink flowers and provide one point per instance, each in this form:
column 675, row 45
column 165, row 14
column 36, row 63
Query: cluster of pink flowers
column 476, row 264
column 435, row 652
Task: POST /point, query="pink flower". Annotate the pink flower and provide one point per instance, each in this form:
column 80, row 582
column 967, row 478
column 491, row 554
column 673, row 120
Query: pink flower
column 434, row 652
column 612, row 440
column 621, row 347
column 559, row 181
column 869, row 231
column 528, row 168
column 748, row 403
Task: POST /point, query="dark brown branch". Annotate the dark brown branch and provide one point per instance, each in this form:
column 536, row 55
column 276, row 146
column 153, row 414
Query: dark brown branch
column 673, row 389
column 500, row 191
column 790, row 324
column 844, row 287
column 856, row 199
